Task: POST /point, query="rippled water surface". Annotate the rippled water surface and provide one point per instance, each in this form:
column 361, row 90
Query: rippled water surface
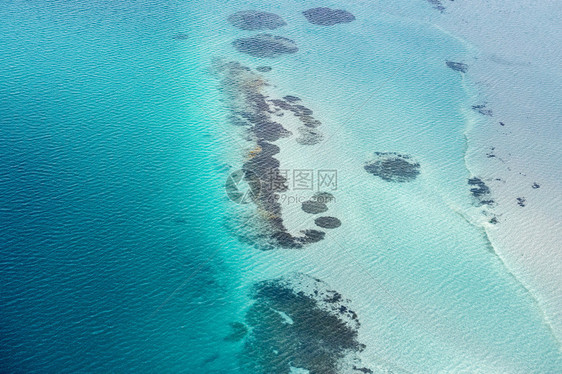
column 118, row 250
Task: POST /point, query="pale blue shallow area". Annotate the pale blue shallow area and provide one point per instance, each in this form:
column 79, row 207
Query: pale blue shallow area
column 114, row 146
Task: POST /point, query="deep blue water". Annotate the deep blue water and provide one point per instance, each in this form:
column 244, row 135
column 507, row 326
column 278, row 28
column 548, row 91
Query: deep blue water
column 105, row 177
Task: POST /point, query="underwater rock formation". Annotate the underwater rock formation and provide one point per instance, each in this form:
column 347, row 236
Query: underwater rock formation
column 328, row 17
column 480, row 191
column 393, row 167
column 265, row 46
column 255, row 20
column 291, row 98
column 327, row 222
column 482, row 109
column 252, row 110
column 181, row 36
column 298, row 321
column 457, row 66
column 314, row 207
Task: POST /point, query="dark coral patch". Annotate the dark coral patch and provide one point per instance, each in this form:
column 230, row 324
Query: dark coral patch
column 291, row 98
column 480, row 191
column 327, row 222
column 311, row 236
column 393, row 167
column 254, row 20
column 265, row 45
column 314, row 207
column 181, row 36
column 270, row 130
column 328, row 17
column 482, row 109
column 299, row 322
column 457, row 66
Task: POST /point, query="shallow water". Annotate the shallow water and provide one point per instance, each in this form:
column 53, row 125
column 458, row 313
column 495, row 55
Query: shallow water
column 117, row 252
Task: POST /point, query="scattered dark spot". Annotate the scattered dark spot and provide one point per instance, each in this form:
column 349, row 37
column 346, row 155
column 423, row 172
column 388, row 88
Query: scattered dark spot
column 265, row 45
column 328, row 17
column 502, row 124
column 536, row 185
column 291, row 98
column 481, row 108
column 180, row 36
column 437, row 4
column 254, row 20
column 314, row 207
column 491, row 154
column 393, row 167
column 335, row 297
column 327, row 222
column 493, row 220
column 480, row 191
column 363, row 370
column 264, row 69
column 457, row 66
column 521, row 201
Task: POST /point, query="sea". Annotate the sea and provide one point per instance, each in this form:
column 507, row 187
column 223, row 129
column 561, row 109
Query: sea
column 117, row 247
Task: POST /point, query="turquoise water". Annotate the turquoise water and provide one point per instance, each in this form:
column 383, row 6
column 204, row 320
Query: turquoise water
column 107, row 176
column 116, row 254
